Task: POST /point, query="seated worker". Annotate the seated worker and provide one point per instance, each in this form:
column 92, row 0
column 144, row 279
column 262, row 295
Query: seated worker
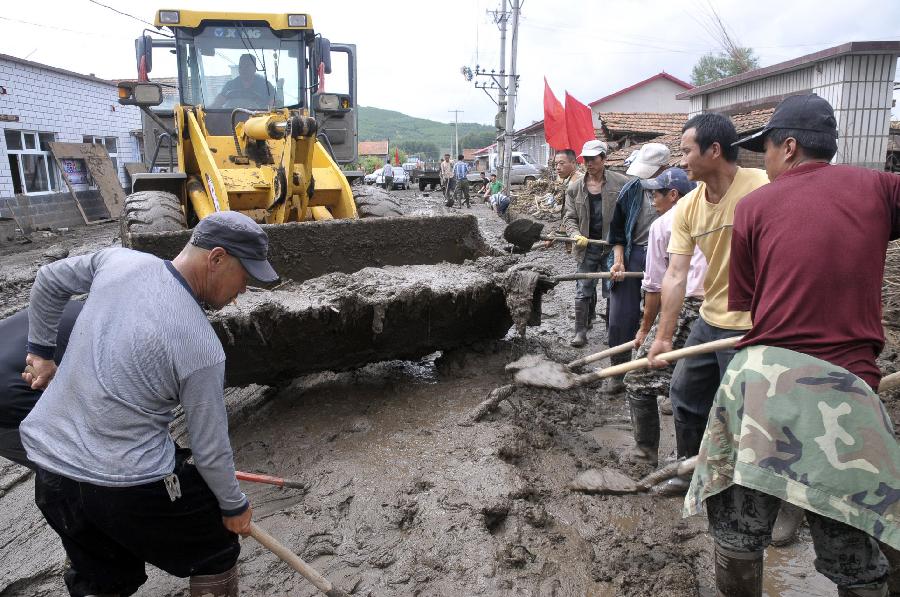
column 16, row 397
column 492, row 188
column 247, row 89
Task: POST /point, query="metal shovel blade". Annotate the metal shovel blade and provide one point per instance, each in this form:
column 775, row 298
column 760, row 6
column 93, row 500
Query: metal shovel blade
column 523, row 233
column 605, row 480
column 526, row 362
column 547, row 374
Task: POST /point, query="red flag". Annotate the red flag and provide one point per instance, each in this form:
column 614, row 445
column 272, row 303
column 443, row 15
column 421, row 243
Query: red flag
column 579, row 124
column 554, row 120
column 396, row 157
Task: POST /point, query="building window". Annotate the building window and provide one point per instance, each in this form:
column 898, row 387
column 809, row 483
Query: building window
column 111, row 144
column 31, row 165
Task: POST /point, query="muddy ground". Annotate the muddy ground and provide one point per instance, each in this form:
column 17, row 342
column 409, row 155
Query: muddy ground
column 402, row 499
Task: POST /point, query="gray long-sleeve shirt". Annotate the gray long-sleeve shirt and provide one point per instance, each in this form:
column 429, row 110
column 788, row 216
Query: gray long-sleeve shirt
column 141, row 346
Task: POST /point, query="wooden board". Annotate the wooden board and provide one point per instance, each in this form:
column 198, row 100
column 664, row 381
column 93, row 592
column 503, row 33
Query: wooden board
column 101, row 169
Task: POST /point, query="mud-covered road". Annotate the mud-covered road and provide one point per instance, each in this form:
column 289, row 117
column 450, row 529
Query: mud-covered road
column 403, row 499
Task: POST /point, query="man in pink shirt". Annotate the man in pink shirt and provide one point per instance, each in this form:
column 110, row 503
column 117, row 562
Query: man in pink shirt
column 642, row 387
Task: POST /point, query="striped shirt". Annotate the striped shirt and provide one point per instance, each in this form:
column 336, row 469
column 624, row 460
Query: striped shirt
column 141, row 346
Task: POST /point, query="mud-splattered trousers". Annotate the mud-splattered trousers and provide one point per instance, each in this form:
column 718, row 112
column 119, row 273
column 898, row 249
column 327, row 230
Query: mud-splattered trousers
column 741, row 519
column 644, row 385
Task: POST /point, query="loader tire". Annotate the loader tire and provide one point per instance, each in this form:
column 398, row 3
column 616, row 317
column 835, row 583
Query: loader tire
column 150, row 211
column 376, row 203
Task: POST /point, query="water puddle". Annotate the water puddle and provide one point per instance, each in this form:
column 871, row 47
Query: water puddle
column 790, row 573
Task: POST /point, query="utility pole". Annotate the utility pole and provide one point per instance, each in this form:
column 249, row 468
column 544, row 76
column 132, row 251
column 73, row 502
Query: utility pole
column 456, row 114
column 501, row 17
column 511, row 94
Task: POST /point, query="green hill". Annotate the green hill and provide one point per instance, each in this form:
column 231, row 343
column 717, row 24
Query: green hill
column 419, row 135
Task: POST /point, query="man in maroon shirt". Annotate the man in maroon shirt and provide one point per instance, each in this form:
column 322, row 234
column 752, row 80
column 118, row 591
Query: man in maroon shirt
column 807, row 261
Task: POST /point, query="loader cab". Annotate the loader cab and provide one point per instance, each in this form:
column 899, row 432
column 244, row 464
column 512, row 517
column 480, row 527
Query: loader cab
column 235, row 64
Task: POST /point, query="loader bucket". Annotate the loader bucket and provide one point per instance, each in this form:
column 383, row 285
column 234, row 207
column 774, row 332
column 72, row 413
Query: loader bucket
column 305, row 250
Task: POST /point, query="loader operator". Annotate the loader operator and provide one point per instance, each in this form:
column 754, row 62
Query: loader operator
column 247, row 89
column 109, row 479
column 16, row 397
column 796, row 417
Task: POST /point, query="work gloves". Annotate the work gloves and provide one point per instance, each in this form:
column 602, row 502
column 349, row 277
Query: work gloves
column 580, row 241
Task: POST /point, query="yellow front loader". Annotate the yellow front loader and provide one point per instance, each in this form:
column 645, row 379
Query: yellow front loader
column 253, row 128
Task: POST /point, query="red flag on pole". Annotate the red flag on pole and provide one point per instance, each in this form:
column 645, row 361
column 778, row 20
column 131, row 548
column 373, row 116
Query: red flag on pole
column 554, row 120
column 579, row 124
column 396, row 157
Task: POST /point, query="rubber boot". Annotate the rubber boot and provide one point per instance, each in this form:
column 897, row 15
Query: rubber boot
column 592, row 312
column 581, row 312
column 616, row 385
column 787, row 525
column 893, row 558
column 645, row 423
column 224, row 584
column 687, row 442
column 738, row 573
column 880, row 590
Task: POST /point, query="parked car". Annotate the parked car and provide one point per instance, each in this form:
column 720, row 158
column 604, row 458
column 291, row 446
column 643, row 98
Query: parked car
column 370, row 178
column 401, row 178
column 522, row 169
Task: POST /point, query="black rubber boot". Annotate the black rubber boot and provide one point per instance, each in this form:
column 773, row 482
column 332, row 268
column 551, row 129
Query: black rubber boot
column 592, row 312
column 893, row 558
column 216, row 585
column 738, row 573
column 870, row 591
column 687, row 440
column 581, row 313
column 616, row 385
column 645, row 423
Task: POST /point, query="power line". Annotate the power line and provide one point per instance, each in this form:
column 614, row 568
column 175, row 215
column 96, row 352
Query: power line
column 122, row 13
column 44, row 26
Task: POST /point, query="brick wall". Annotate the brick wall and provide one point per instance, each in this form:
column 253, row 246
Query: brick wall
column 50, row 100
column 53, row 210
column 750, row 159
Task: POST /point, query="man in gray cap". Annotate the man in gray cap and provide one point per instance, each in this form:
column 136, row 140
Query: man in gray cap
column 590, row 202
column 110, row 480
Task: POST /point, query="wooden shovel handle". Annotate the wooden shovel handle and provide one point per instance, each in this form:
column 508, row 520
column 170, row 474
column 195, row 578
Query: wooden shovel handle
column 889, row 382
column 670, row 356
column 292, row 559
column 591, row 358
column 594, row 276
column 269, row 480
column 569, row 239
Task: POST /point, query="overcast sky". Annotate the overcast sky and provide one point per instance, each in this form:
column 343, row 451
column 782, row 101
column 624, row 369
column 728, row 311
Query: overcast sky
column 410, row 53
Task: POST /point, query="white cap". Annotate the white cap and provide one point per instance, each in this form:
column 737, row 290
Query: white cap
column 651, row 158
column 592, row 148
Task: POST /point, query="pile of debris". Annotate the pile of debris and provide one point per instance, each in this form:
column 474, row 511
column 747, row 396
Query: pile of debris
column 541, row 199
column 891, row 288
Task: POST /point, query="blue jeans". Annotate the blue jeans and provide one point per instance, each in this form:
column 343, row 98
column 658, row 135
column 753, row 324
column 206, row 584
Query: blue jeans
column 594, row 261
column 625, row 300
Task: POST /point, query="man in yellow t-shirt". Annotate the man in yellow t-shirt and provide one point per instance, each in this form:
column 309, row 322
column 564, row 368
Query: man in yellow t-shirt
column 703, row 218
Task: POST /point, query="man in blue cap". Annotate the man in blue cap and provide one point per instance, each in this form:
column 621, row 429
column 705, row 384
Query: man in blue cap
column 109, row 478
column 643, row 386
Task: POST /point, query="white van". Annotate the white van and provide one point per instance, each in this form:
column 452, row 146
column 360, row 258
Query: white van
column 522, row 170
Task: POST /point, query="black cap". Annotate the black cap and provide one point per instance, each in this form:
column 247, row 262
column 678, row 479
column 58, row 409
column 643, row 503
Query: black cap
column 241, row 237
column 798, row 112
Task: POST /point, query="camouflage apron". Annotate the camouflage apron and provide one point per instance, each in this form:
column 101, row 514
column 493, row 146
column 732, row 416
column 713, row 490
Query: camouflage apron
column 805, row 431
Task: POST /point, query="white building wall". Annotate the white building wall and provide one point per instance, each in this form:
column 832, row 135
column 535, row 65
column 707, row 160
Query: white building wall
column 655, row 96
column 858, row 86
column 69, row 106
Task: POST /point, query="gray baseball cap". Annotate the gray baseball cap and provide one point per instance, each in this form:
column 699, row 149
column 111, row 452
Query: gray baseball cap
column 241, row 237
